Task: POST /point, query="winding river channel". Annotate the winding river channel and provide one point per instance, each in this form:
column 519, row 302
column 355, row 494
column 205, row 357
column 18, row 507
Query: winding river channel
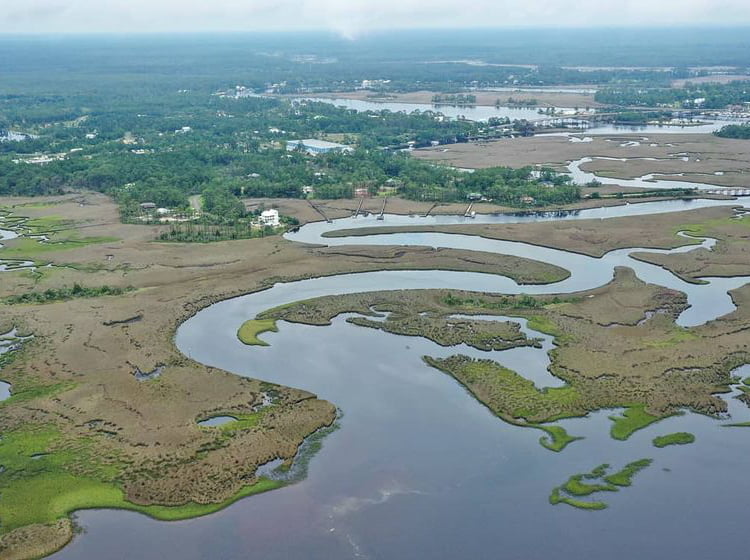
column 419, row 469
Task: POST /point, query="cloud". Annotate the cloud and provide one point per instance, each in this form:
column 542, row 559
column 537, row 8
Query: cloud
column 351, row 18
column 32, row 11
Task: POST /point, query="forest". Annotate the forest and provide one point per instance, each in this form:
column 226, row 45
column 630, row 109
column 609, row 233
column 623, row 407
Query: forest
column 163, row 146
column 739, row 131
column 692, row 96
column 155, row 128
column 314, row 62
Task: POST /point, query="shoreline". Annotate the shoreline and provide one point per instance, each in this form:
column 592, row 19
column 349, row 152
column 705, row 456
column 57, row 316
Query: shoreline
column 192, row 307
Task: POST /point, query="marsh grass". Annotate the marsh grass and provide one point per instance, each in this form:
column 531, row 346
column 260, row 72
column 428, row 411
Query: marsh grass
column 633, row 418
column 677, row 438
column 63, row 479
column 594, row 482
column 249, row 331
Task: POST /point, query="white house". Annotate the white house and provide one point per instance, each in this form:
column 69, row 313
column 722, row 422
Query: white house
column 269, row 218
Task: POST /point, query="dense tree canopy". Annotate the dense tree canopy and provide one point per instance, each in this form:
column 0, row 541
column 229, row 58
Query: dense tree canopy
column 735, row 131
column 166, row 146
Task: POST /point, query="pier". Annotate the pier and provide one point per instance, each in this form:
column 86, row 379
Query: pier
column 381, row 216
column 728, row 191
column 359, row 208
column 319, row 211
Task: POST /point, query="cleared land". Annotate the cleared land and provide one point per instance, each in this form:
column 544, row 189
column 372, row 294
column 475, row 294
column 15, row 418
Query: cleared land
column 110, row 433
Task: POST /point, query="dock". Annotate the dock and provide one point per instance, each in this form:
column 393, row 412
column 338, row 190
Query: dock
column 469, row 213
column 319, row 211
column 381, row 216
column 430, row 209
column 728, row 191
column 359, row 208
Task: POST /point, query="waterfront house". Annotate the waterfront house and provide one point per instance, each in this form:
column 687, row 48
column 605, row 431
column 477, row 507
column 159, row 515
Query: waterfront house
column 269, row 218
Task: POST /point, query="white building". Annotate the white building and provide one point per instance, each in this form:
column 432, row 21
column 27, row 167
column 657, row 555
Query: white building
column 269, row 218
column 313, row 146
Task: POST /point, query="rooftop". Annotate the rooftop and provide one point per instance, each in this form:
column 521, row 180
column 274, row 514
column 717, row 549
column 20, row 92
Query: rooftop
column 313, row 143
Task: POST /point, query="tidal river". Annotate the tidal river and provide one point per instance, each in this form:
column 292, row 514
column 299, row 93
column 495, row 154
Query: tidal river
column 481, row 113
column 418, row 468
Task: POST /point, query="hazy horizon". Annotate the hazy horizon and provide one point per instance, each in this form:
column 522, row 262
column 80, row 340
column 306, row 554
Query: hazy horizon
column 353, row 18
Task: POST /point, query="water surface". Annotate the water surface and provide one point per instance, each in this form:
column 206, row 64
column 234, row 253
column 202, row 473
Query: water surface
column 482, row 113
column 215, row 421
column 419, row 469
column 471, row 112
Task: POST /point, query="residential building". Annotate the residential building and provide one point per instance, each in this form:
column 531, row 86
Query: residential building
column 313, row 146
column 269, row 218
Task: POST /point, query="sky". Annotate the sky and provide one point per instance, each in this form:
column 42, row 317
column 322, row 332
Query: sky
column 351, row 18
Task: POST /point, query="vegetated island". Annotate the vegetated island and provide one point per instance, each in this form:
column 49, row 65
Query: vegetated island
column 596, row 481
column 677, row 438
column 95, row 303
column 108, row 454
column 676, row 367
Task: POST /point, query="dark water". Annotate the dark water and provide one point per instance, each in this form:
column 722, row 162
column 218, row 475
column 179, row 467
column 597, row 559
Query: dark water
column 419, row 469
